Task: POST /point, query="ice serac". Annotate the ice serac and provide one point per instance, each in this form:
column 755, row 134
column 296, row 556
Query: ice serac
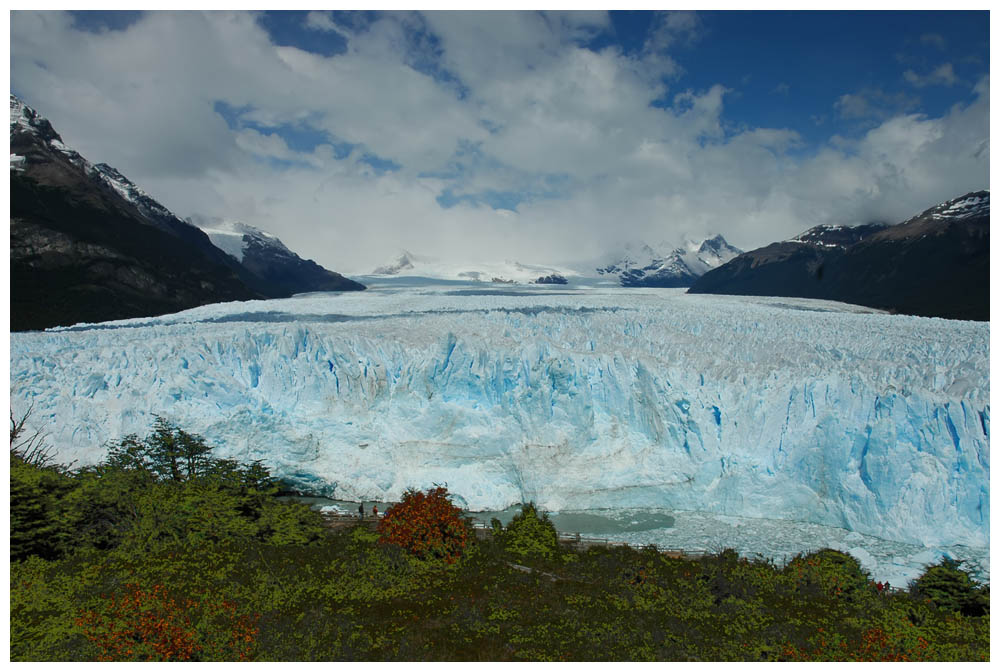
column 770, row 408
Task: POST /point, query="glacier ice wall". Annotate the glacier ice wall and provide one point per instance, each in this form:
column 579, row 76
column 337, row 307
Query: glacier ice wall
column 752, row 407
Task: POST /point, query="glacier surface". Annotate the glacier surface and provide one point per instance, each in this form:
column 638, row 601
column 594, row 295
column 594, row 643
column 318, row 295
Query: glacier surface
column 580, row 398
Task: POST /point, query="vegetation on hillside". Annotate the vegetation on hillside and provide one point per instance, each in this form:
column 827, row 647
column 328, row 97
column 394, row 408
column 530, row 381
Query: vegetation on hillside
column 164, row 552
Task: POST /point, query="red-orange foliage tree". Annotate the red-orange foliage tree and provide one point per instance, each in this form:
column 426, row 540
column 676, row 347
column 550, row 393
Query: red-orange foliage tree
column 149, row 625
column 426, row 524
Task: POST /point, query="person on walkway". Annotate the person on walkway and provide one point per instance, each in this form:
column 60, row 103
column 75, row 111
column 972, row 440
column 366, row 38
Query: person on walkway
column 374, row 511
column 361, row 510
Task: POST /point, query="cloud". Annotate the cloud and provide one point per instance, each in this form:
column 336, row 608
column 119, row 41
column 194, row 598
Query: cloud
column 322, row 21
column 873, row 103
column 469, row 135
column 672, row 28
column 943, row 75
column 782, row 88
column 853, row 106
column 933, row 39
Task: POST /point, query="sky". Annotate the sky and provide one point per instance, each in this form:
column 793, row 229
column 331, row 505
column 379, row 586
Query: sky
column 541, row 137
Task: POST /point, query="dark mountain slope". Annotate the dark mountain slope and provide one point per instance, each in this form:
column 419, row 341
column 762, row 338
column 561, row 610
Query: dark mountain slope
column 81, row 250
column 274, row 268
column 935, row 264
column 73, row 261
column 88, row 245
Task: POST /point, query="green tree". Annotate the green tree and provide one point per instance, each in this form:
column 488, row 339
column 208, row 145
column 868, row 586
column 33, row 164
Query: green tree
column 531, row 535
column 167, row 489
column 829, row 572
column 950, row 587
column 37, row 525
column 169, row 453
column 37, row 488
column 103, row 505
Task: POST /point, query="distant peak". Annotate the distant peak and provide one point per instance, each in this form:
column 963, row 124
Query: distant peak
column 716, row 244
column 402, row 262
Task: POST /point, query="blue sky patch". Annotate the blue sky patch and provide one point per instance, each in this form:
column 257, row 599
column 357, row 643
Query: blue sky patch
column 300, row 137
column 288, row 28
column 498, row 200
column 790, row 69
column 423, row 54
column 378, row 164
column 101, row 21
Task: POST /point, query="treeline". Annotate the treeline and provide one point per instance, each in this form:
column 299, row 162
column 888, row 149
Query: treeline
column 165, row 552
column 146, row 494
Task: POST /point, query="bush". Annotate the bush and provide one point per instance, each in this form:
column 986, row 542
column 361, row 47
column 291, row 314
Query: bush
column 530, row 535
column 951, row 588
column 37, row 525
column 833, row 573
column 37, row 489
column 152, row 625
column 427, row 525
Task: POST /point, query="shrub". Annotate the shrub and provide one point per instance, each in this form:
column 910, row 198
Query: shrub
column 37, row 489
column 833, row 573
column 530, row 535
column 36, row 510
column 950, row 587
column 151, row 625
column 427, row 525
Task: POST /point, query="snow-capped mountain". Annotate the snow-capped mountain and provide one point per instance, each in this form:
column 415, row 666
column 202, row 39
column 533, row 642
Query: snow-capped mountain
column 89, row 245
column 131, row 192
column 397, row 266
column 640, row 265
column 234, row 238
column 36, row 133
column 282, row 271
column 838, row 236
column 975, row 204
column 507, row 271
column 934, row 264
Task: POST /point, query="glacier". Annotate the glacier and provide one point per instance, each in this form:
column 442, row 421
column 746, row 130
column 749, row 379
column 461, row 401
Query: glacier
column 575, row 398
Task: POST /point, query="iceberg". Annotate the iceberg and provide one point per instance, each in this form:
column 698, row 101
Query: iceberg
column 576, row 399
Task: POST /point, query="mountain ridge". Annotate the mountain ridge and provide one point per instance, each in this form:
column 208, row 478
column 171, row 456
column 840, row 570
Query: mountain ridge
column 934, row 264
column 640, row 265
column 89, row 245
column 267, row 258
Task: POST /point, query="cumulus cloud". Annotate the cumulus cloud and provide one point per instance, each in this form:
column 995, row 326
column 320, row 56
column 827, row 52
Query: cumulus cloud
column 671, row 28
column 508, row 137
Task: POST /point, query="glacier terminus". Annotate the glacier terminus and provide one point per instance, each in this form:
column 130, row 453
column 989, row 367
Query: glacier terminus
column 579, row 398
